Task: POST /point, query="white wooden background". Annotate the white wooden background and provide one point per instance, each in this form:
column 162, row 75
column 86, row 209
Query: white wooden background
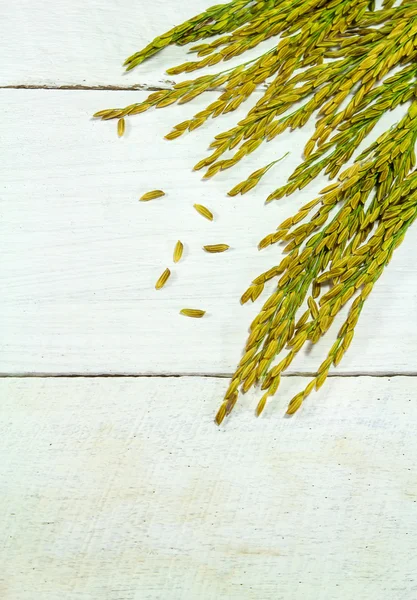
column 121, row 487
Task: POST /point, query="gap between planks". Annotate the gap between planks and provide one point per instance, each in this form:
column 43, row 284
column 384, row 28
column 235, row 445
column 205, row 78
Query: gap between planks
column 141, row 87
column 195, row 375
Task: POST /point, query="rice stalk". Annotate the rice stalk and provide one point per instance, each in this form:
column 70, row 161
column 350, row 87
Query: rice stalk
column 344, row 64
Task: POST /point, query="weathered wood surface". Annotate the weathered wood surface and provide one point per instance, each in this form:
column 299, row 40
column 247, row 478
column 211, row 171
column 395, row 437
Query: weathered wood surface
column 81, row 255
column 124, row 489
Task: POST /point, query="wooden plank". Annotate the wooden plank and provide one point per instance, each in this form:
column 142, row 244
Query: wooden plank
column 86, row 43
column 80, row 254
column 123, row 488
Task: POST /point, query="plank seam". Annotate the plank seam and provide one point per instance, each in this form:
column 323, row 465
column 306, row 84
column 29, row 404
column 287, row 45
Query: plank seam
column 80, row 87
column 178, row 375
column 122, row 88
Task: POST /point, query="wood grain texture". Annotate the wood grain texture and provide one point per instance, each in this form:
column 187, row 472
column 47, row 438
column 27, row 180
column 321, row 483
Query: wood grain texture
column 80, row 254
column 85, row 43
column 124, row 489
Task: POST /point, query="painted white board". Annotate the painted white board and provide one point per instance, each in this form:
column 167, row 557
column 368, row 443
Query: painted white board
column 124, row 489
column 76, row 43
column 80, row 254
